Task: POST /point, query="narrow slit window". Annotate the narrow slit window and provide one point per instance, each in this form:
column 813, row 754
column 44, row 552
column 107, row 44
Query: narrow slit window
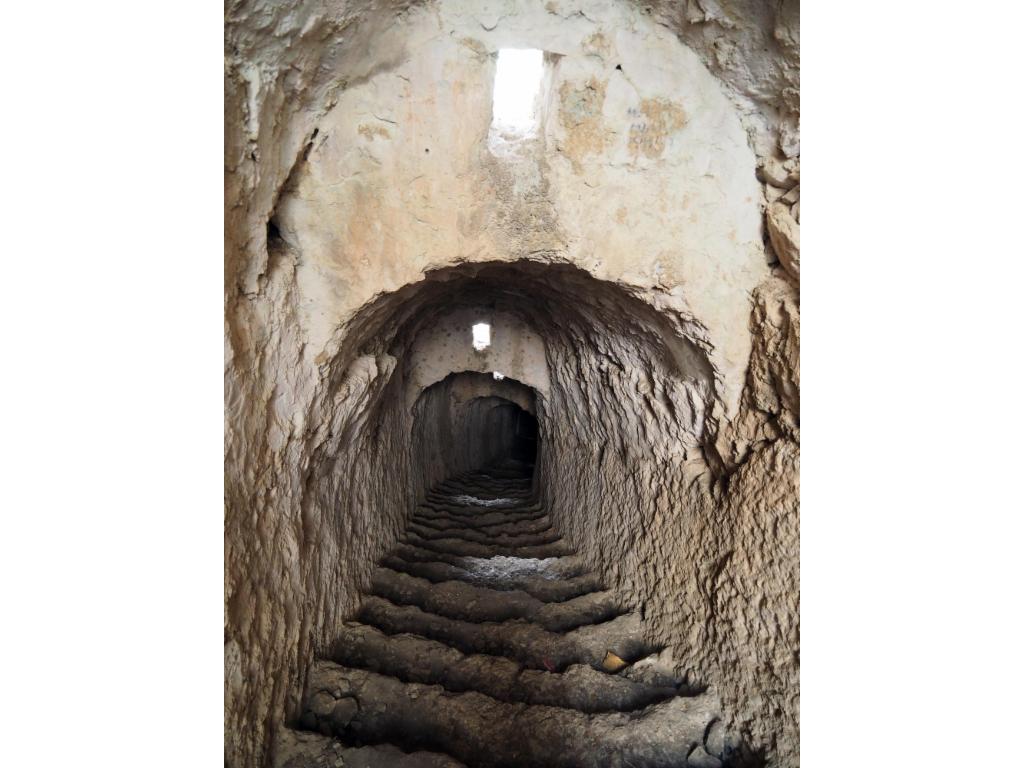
column 517, row 82
column 481, row 336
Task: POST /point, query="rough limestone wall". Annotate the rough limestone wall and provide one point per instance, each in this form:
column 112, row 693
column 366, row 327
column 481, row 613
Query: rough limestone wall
column 639, row 171
column 753, row 47
column 331, row 483
column 291, row 561
column 709, row 551
column 319, row 470
column 753, row 637
column 445, row 345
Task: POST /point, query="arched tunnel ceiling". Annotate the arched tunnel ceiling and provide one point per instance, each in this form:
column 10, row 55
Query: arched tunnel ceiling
column 563, row 306
column 629, row 109
column 466, row 386
column 670, row 332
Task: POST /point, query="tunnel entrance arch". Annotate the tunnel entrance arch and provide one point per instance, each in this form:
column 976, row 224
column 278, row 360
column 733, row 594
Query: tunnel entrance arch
column 471, row 420
column 619, row 380
column 627, row 238
column 613, row 373
column 611, row 366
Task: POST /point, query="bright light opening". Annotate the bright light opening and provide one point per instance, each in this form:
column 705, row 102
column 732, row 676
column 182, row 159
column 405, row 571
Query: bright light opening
column 516, row 85
column 498, row 376
column 481, row 336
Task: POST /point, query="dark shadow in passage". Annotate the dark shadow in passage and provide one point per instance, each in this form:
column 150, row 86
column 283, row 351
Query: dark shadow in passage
column 523, row 439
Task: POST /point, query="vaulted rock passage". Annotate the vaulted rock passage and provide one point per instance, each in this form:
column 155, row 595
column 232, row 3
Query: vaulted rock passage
column 642, row 356
column 607, row 396
column 484, row 636
column 485, row 429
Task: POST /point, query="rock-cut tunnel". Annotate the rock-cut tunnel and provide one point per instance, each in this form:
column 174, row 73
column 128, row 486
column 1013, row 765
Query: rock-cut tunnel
column 512, row 431
column 529, row 395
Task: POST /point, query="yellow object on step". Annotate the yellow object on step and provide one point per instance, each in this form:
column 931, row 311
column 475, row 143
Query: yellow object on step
column 613, row 663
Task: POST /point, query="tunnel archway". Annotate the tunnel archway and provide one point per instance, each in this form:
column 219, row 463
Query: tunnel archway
column 474, row 421
column 622, row 388
column 613, row 382
column 618, row 258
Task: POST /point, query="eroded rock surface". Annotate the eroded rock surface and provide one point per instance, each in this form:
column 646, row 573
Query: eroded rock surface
column 638, row 260
column 496, row 677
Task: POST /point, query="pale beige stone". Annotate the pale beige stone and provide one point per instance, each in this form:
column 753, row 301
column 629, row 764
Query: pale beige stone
column 785, row 236
column 773, row 172
column 620, row 258
column 773, row 193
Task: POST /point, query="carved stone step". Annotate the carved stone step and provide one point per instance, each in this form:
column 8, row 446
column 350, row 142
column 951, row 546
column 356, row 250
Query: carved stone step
column 415, row 659
column 482, row 731
column 531, row 645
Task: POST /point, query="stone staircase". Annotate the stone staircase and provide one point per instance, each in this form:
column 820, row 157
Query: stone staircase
column 485, row 642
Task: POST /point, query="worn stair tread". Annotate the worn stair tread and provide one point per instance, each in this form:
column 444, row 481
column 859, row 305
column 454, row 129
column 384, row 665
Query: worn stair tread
column 486, row 532
column 510, row 487
column 477, row 517
column 479, row 483
column 415, row 659
column 485, row 524
column 501, row 500
column 301, row 749
column 496, row 538
column 461, row 548
column 528, row 643
column 485, row 639
column 483, row 731
column 481, row 515
column 443, row 523
column 562, row 566
column 468, row 602
column 545, row 588
column 484, row 483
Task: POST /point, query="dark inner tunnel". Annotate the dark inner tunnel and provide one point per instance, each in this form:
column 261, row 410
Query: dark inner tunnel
column 524, row 429
column 470, row 421
column 513, row 431
column 512, row 412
